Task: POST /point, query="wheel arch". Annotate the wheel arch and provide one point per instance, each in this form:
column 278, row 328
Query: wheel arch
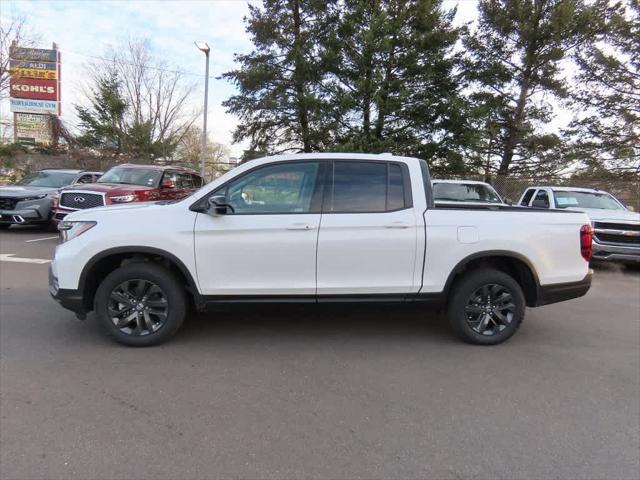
column 103, row 263
column 516, row 265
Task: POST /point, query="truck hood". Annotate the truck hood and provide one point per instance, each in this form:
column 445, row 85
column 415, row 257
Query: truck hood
column 19, row 191
column 598, row 214
column 97, row 212
column 110, row 188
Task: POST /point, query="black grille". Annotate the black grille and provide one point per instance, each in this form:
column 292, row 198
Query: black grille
column 8, row 203
column 613, row 238
column 618, row 226
column 80, row 200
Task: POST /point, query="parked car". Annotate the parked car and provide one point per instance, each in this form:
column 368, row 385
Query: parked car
column 317, row 228
column 465, row 192
column 129, row 183
column 616, row 229
column 30, row 200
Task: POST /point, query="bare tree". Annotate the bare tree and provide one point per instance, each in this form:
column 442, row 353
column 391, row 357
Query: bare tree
column 216, row 158
column 156, row 96
column 12, row 30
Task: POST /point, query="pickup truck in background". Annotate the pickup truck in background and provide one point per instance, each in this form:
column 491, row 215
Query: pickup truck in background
column 616, row 229
column 127, row 183
column 318, row 228
column 464, row 192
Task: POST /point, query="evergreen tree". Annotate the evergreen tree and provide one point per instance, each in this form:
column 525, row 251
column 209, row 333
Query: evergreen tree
column 514, row 63
column 607, row 93
column 391, row 82
column 279, row 100
column 102, row 124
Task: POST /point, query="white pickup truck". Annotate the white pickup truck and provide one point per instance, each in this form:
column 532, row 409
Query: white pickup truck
column 318, row 228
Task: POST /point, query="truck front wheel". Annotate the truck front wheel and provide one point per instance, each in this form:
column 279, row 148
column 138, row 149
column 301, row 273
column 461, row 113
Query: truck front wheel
column 487, row 307
column 141, row 304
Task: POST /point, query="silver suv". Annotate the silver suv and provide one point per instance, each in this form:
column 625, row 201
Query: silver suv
column 31, row 199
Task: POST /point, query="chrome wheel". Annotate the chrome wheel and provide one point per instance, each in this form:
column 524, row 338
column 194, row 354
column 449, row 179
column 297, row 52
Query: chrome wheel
column 490, row 309
column 138, row 307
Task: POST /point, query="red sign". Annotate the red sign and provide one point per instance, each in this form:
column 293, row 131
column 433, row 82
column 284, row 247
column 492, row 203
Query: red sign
column 34, row 88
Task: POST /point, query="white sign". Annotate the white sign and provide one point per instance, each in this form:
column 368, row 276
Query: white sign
column 33, row 106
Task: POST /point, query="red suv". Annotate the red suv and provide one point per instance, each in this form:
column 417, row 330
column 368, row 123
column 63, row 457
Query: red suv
column 128, row 183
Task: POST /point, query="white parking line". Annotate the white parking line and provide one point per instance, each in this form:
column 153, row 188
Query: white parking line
column 40, row 239
column 10, row 257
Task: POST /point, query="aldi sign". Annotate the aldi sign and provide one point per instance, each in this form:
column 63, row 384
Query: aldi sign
column 33, row 106
column 40, row 70
column 34, row 88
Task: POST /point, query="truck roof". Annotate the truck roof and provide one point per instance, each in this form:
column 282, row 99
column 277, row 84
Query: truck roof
column 335, row 156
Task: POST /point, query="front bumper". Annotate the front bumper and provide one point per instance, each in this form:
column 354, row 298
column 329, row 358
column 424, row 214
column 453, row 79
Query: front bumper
column 69, row 299
column 28, row 211
column 615, row 253
column 560, row 292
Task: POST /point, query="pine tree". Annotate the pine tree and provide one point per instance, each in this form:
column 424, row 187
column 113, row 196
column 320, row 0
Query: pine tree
column 607, row 93
column 102, row 124
column 279, row 100
column 514, row 63
column 391, row 81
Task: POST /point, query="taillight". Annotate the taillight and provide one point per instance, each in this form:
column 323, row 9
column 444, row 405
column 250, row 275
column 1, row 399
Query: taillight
column 586, row 237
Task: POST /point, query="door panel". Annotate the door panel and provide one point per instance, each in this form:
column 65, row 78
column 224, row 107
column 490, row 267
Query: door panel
column 268, row 245
column 367, row 253
column 369, row 232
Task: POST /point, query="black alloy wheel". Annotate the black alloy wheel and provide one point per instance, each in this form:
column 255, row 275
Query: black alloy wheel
column 138, row 307
column 490, row 309
column 141, row 304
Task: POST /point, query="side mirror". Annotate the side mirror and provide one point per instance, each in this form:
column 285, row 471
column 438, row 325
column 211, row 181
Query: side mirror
column 630, row 208
column 218, row 205
column 540, row 204
column 168, row 184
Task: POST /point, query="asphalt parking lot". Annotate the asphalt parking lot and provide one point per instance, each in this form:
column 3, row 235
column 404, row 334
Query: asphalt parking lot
column 316, row 392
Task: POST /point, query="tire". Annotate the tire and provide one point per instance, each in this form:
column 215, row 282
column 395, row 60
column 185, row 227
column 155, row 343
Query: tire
column 486, row 292
column 150, row 307
column 4, row 226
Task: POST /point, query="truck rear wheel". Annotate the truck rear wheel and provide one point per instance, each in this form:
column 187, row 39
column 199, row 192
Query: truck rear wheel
column 141, row 304
column 487, row 307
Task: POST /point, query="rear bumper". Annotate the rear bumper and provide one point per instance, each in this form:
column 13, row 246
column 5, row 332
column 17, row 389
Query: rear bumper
column 69, row 299
column 560, row 292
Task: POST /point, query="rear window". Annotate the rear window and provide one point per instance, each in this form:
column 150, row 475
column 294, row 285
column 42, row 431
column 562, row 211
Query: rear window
column 464, row 192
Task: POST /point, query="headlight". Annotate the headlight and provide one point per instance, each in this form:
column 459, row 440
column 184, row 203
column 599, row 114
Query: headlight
column 123, row 198
column 70, row 230
column 35, row 197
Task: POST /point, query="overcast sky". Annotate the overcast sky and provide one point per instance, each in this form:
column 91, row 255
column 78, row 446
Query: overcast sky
column 86, row 28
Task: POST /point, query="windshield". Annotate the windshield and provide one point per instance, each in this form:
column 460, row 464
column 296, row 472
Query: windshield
column 602, row 201
column 148, row 177
column 465, row 192
column 48, row 179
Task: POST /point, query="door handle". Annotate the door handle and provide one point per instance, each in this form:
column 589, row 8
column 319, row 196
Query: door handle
column 397, row 225
column 301, row 226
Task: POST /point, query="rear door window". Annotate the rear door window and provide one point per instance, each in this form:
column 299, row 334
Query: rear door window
column 366, row 187
column 183, row 181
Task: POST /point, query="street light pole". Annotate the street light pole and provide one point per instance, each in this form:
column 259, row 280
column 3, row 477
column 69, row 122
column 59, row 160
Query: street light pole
column 204, row 47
